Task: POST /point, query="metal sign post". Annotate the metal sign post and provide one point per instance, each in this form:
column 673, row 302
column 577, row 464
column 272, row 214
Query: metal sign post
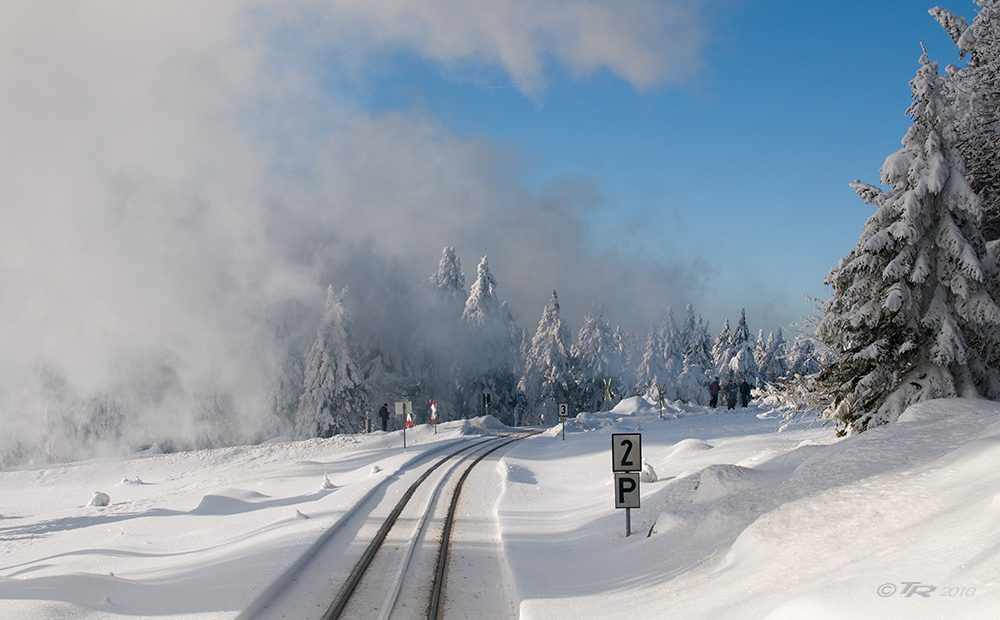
column 626, row 463
column 486, row 402
column 563, row 416
column 405, row 409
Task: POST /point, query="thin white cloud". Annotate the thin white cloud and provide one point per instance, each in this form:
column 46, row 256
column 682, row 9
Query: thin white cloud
column 645, row 42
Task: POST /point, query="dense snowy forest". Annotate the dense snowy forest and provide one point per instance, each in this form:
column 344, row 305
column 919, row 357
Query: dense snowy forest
column 474, row 347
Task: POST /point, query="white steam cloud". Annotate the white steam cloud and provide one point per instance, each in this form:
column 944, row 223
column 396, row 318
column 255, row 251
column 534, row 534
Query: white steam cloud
column 177, row 192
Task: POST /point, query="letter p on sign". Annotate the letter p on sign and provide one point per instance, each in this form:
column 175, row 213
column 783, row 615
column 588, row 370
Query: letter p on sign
column 627, row 490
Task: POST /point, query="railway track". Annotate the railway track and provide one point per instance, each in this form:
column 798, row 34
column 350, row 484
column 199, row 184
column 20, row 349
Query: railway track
column 402, row 556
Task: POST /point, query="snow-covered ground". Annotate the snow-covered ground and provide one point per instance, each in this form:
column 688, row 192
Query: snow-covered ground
column 743, row 522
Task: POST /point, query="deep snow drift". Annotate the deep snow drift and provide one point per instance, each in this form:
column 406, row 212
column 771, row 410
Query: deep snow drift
column 743, row 521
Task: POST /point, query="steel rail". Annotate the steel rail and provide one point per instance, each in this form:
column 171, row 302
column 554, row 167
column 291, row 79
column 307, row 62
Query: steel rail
column 442, row 563
column 337, row 607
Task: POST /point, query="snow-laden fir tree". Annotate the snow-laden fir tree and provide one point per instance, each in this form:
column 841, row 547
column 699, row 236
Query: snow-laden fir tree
column 548, row 374
column 698, row 351
column 722, row 353
column 652, row 371
column 975, row 89
column 450, row 279
column 436, row 345
column 760, row 349
column 687, row 329
column 801, row 357
column 673, row 352
column 597, row 358
column 334, row 399
column 913, row 316
column 742, row 365
column 489, row 364
column 692, row 385
column 631, row 346
column 770, row 357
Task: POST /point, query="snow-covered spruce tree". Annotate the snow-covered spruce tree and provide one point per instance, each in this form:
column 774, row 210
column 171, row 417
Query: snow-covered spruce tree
column 698, row 351
column 548, row 374
column 673, row 354
column 630, row 345
column 436, row 345
column 692, row 385
column 759, row 352
column 722, row 353
column 976, row 92
column 597, row 358
column 770, row 357
column 334, row 399
column 450, row 279
column 489, row 364
column 742, row 365
column 801, row 357
column 913, row 316
column 652, row 370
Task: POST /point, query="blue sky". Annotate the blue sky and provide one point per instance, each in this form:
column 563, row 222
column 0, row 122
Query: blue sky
column 741, row 170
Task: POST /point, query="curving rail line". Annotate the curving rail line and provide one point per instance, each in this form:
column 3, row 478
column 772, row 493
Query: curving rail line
column 349, row 588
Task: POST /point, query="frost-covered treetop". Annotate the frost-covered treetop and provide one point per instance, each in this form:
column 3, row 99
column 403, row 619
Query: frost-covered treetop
column 482, row 306
column 450, row 279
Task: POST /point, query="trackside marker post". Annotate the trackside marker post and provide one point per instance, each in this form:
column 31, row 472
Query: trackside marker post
column 563, row 415
column 405, row 409
column 626, row 463
column 434, row 415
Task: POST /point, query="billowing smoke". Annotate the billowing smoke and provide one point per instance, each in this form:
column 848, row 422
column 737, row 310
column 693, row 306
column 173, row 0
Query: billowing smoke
column 180, row 182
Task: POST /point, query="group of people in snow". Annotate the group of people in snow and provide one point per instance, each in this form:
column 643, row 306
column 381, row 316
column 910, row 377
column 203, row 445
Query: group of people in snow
column 731, row 392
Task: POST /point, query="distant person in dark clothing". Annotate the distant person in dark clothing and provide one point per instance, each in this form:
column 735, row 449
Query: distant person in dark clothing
column 731, row 392
column 713, row 389
column 744, row 393
column 383, row 414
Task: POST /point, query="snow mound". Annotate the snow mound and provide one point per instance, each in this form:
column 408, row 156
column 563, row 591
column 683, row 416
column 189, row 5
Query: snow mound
column 486, row 423
column 229, row 502
column 648, row 474
column 99, row 499
column 152, row 450
column 688, row 446
column 717, row 481
column 635, row 405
